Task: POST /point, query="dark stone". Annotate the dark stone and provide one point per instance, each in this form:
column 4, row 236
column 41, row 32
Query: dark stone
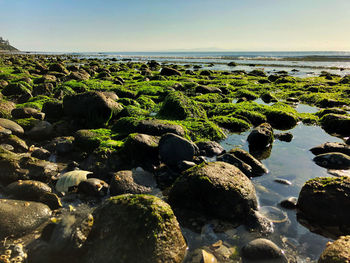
column 174, row 148
column 329, row 147
column 261, row 136
column 232, row 159
column 285, row 137
column 209, row 148
column 123, row 182
column 93, row 187
column 21, row 113
column 289, row 203
column 53, row 110
column 333, row 160
column 166, row 71
column 258, row 168
column 206, row 89
column 335, row 123
column 263, row 250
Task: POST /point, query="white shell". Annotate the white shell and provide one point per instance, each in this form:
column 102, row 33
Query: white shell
column 70, row 178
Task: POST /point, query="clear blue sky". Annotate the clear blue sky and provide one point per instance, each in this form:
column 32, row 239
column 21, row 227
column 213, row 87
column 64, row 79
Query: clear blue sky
column 162, row 25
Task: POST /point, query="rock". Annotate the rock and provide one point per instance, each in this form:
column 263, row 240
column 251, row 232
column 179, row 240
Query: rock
column 174, row 148
column 141, row 149
column 5, row 108
column 71, row 179
column 21, row 113
column 324, row 201
column 12, row 126
column 94, row 109
column 267, row 97
column 232, row 64
column 261, row 136
column 282, row 181
column 58, row 67
column 258, row 167
column 80, row 75
column 333, row 160
column 336, row 252
column 41, row 153
column 281, row 119
column 93, row 187
column 257, row 73
column 335, row 123
column 18, row 144
column 229, row 194
column 17, row 89
column 166, row 71
column 41, row 131
column 53, row 110
column 125, row 220
column 30, row 190
column 285, row 137
column 179, row 107
column 205, row 73
column 232, row 159
column 289, row 203
column 209, row 148
column 123, row 182
column 206, row 89
column 263, row 250
column 21, row 217
column 331, row 147
column 45, row 89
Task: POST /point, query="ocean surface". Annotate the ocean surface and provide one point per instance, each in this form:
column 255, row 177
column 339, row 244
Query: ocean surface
column 301, row 64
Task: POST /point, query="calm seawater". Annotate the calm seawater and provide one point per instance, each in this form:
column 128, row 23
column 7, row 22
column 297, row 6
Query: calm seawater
column 300, row 64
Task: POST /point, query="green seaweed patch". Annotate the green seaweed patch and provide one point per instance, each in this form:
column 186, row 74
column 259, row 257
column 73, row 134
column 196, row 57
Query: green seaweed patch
column 177, row 106
column 76, row 86
column 128, row 101
column 210, row 97
column 146, row 102
column 309, row 118
column 132, row 111
column 231, row 123
column 200, row 129
column 36, row 102
column 253, row 117
column 27, row 123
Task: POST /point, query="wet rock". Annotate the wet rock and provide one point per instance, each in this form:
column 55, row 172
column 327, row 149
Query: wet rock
column 5, row 108
column 174, row 148
column 333, row 160
column 232, row 159
column 21, row 113
column 30, row 190
column 285, row 137
column 166, row 71
column 80, row 75
column 261, row 137
column 37, row 169
column 141, row 149
column 157, row 128
column 324, row 201
column 289, row 203
column 267, row 97
column 21, row 217
column 94, row 109
column 42, row 130
column 17, row 89
column 53, row 110
column 43, row 89
column 40, row 153
column 93, row 187
column 18, row 144
column 281, row 119
column 12, row 126
column 184, row 165
column 123, row 182
column 331, row 147
column 226, row 189
column 126, row 220
column 257, row 222
column 263, row 250
column 335, row 123
column 257, row 73
column 336, row 252
column 209, row 148
column 58, row 67
column 257, row 166
column 282, row 181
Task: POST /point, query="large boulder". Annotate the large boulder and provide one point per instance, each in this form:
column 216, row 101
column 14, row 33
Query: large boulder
column 325, row 201
column 179, row 107
column 135, row 228
column 21, row 217
column 174, row 148
column 217, row 189
column 93, row 109
column 337, row 252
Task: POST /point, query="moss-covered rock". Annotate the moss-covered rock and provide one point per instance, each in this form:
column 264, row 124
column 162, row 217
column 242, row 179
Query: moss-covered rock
column 93, row 109
column 337, row 252
column 231, row 123
column 324, row 201
column 261, row 136
column 177, row 106
column 217, row 189
column 335, row 123
column 126, row 220
column 200, row 129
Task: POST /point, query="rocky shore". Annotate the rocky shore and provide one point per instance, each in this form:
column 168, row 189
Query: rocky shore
column 115, row 161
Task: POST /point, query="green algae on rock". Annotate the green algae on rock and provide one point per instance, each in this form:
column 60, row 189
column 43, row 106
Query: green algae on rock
column 126, row 220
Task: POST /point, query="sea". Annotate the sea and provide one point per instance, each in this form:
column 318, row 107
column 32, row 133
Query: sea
column 299, row 64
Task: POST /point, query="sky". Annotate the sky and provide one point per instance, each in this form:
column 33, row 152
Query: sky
column 176, row 25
